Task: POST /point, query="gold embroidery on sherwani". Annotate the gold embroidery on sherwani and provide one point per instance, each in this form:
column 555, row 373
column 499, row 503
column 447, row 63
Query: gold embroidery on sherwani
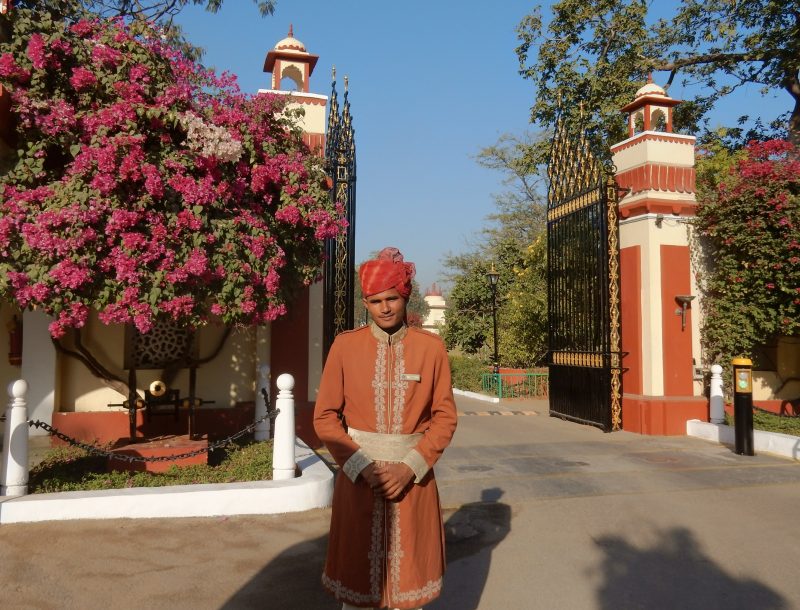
column 342, row 592
column 399, row 401
column 395, row 551
column 380, row 385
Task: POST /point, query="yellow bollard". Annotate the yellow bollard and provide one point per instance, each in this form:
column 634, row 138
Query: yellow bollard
column 743, row 405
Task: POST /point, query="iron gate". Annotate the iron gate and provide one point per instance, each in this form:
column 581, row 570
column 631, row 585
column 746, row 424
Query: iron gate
column 582, row 285
column 340, row 158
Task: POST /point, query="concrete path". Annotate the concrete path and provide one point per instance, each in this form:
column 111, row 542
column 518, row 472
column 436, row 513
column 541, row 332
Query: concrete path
column 540, row 513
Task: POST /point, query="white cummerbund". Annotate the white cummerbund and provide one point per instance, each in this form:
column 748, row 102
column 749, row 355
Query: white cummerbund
column 385, row 447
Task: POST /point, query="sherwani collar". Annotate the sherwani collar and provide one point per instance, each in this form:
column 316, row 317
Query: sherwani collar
column 383, row 337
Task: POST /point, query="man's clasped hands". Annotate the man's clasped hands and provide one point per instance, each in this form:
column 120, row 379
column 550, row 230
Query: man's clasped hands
column 388, row 480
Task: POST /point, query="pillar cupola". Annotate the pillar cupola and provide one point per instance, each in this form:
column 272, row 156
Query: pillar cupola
column 653, row 163
column 650, row 110
column 289, row 59
column 291, row 66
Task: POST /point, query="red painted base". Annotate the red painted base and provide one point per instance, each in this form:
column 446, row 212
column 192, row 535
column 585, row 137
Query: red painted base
column 103, row 427
column 166, row 446
column 661, row 415
column 779, row 407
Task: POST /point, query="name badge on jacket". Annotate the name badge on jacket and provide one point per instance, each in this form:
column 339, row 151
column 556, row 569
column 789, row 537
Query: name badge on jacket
column 412, row 377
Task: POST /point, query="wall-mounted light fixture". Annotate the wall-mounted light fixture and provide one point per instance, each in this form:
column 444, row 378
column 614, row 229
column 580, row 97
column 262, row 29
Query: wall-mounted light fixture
column 659, row 220
column 684, row 300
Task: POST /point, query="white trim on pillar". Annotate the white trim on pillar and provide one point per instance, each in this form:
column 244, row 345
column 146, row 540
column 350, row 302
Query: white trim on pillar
column 39, row 368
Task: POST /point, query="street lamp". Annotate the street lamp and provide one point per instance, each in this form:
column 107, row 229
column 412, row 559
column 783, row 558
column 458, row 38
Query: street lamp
column 493, row 276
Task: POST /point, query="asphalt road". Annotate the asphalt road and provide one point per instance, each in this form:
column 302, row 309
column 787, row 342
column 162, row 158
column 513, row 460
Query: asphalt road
column 540, row 513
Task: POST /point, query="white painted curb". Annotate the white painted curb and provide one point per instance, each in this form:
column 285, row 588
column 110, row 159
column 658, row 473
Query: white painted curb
column 476, row 395
column 784, row 445
column 314, row 489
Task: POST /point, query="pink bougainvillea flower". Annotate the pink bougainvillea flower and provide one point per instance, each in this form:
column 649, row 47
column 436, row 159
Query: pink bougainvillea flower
column 82, row 79
column 165, row 192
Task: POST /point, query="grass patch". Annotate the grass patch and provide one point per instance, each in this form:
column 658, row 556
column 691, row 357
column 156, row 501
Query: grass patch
column 73, row 469
column 769, row 422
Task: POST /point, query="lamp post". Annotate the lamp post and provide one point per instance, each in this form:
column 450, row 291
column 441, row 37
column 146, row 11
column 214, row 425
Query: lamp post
column 493, row 276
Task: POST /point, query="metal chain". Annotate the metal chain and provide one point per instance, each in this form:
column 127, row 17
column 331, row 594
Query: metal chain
column 95, row 450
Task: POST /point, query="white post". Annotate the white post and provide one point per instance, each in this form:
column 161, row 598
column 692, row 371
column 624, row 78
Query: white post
column 14, row 476
column 716, row 400
column 262, row 429
column 283, row 464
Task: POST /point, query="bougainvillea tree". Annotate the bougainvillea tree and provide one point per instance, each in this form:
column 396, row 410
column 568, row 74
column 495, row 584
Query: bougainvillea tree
column 749, row 221
column 145, row 186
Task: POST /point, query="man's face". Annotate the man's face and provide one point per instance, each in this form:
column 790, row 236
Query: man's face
column 387, row 309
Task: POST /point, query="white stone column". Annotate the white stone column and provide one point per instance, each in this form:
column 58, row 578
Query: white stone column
column 40, row 366
column 716, row 400
column 283, row 464
column 14, row 475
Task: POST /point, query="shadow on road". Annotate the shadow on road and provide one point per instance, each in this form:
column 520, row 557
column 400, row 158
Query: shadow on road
column 292, row 580
column 674, row 573
column 471, row 533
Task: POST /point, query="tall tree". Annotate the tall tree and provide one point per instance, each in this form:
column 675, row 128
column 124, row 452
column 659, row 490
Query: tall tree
column 523, row 318
column 590, row 58
column 521, row 206
column 516, row 224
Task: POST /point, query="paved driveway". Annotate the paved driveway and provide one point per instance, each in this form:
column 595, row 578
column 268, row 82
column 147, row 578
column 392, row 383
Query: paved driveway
column 540, row 513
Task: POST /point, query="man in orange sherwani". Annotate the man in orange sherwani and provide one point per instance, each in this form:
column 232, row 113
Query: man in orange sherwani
column 385, row 411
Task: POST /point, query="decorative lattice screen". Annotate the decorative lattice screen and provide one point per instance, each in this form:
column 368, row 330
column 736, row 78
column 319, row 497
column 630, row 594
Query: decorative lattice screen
column 164, row 345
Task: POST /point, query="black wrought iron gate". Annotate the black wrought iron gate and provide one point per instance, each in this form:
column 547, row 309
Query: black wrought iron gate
column 583, row 285
column 340, row 157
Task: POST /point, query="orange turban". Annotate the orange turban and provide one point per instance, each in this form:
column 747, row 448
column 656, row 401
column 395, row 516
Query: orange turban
column 386, row 272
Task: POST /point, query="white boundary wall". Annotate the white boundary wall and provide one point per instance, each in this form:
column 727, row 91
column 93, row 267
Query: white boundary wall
column 768, row 442
column 313, row 489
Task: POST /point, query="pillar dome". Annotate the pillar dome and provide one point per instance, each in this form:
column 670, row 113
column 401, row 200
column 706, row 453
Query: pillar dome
column 290, row 59
column 650, row 110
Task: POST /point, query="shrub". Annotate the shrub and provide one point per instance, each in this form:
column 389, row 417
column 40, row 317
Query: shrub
column 467, row 372
column 748, row 218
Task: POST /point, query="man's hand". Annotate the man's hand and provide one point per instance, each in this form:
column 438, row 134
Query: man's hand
column 392, row 479
column 369, row 475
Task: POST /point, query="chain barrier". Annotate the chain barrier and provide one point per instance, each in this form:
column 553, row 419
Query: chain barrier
column 95, row 450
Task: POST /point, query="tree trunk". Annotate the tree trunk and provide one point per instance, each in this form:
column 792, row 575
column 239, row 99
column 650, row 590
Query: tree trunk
column 793, row 87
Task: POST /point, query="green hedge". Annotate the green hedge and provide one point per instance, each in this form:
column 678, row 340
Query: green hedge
column 467, row 372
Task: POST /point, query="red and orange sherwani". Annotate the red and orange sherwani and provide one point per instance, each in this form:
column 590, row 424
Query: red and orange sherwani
column 396, row 397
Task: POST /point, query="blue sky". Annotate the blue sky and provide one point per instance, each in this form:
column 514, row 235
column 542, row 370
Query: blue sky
column 431, row 83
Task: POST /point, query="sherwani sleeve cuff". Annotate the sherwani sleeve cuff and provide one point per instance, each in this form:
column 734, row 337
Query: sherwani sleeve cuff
column 355, row 464
column 417, row 463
